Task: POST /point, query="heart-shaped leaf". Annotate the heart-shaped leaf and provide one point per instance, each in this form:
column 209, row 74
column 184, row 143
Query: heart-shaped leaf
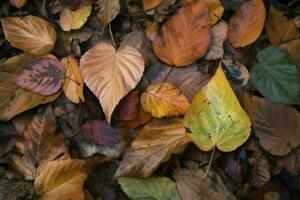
column 111, row 73
column 215, row 118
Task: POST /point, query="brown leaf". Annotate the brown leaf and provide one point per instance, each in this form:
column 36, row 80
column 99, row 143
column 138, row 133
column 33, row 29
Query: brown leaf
column 149, row 4
column 75, row 4
column 155, row 144
column 191, row 185
column 291, row 161
column 293, row 47
column 109, row 9
column 62, row 179
column 111, row 73
column 260, row 173
column 277, row 126
column 73, row 90
column 247, row 23
column 236, row 72
column 164, row 100
column 18, row 3
column 39, row 144
column 32, row 34
column 44, row 76
column 8, row 135
column 279, row 28
column 15, row 100
column 185, row 37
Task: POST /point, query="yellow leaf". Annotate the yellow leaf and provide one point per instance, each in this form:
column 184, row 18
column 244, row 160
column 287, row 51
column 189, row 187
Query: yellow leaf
column 215, row 10
column 164, row 100
column 149, row 4
column 74, row 19
column 247, row 23
column 279, row 28
column 111, row 74
column 32, row 34
column 62, row 179
column 73, row 90
column 216, row 118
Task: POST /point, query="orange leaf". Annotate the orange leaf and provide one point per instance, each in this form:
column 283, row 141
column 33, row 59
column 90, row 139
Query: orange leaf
column 149, row 4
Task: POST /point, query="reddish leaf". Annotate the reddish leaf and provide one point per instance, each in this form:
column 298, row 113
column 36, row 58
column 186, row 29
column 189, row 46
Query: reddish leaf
column 43, row 76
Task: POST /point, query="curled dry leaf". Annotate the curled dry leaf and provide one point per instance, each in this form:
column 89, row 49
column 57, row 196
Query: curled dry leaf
column 32, row 34
column 75, row 4
column 215, row 10
column 261, row 172
column 15, row 100
column 73, row 85
column 215, row 118
column 62, row 179
column 219, row 35
column 155, row 144
column 73, row 20
column 277, row 126
column 111, row 74
column 185, row 37
column 247, row 23
column 279, row 28
column 18, row 3
column 164, row 100
column 109, row 9
column 44, row 76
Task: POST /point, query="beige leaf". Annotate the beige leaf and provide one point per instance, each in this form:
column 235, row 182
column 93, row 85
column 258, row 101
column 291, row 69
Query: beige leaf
column 31, row 34
column 73, row 90
column 164, row 100
column 109, row 9
column 111, row 74
column 73, row 20
column 155, row 144
column 61, row 179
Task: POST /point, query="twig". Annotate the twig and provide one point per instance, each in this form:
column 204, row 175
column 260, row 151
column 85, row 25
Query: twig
column 111, row 35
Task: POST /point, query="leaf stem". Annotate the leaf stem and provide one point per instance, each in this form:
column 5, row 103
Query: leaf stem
column 111, row 35
column 209, row 164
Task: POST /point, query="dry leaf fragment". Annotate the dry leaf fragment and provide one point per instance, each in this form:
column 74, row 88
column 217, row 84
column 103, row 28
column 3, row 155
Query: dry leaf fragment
column 291, row 161
column 109, row 9
column 164, row 100
column 215, row 10
column 62, row 179
column 151, row 29
column 18, row 3
column 111, row 74
column 155, row 144
column 149, row 4
column 75, row 4
column 32, row 34
column 73, row 90
column 279, row 28
column 185, row 37
column 73, row 20
column 44, row 76
column 247, row 23
column 260, row 173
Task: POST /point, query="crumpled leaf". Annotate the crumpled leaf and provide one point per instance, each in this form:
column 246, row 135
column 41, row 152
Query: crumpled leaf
column 32, row 34
column 109, row 9
column 261, row 172
column 215, row 118
column 155, row 144
column 43, row 76
column 73, row 90
column 154, row 188
column 39, row 144
column 279, row 28
column 164, row 100
column 247, row 23
column 235, row 71
column 219, row 35
column 277, row 126
column 15, row 100
column 18, row 3
column 215, row 10
column 185, row 37
column 276, row 76
column 62, row 179
column 73, row 20
column 191, row 185
column 111, row 74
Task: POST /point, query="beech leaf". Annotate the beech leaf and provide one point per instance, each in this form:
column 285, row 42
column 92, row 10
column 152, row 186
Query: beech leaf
column 215, row 9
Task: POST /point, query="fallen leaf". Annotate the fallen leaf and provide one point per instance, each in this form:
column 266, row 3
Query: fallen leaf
column 155, row 144
column 73, row 20
column 279, row 28
column 185, row 37
column 39, row 144
column 261, row 172
column 219, row 35
column 151, row 29
column 8, row 135
column 44, row 76
column 109, row 9
column 247, row 23
column 75, row 4
column 215, row 118
column 73, row 90
column 291, row 161
column 164, row 100
column 15, row 100
column 277, row 126
column 32, row 34
column 104, row 70
column 62, row 179
column 191, row 185
column 142, row 119
column 276, row 76
column 235, row 71
column 11, row 189
column 158, row 188
column 215, row 10
column 293, row 47
column 18, row 3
